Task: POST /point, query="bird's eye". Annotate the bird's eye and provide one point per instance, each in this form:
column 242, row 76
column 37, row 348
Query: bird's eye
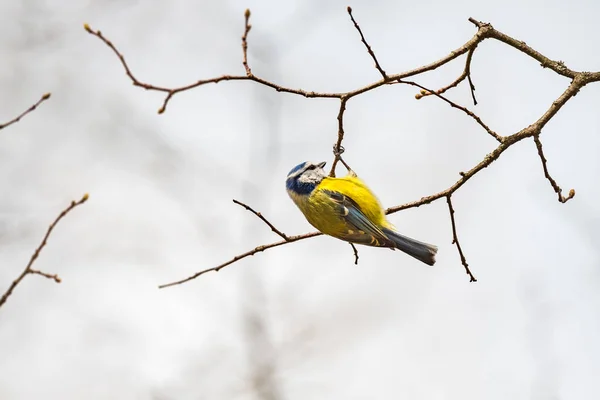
column 311, row 167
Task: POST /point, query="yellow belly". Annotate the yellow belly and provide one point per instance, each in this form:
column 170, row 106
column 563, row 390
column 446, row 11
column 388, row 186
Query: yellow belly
column 322, row 213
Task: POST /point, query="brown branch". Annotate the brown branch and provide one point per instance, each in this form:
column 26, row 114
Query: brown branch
column 24, row 113
column 455, row 241
column 557, row 189
column 263, row 219
column 54, row 277
column 258, row 249
column 247, row 28
column 454, row 105
column 286, row 239
column 485, row 31
column 466, row 74
column 337, row 147
column 471, row 86
column 170, row 92
column 364, row 41
column 556, row 66
column 582, row 79
column 355, row 253
column 28, row 270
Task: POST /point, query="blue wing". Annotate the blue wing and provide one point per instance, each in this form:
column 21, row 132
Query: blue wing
column 360, row 229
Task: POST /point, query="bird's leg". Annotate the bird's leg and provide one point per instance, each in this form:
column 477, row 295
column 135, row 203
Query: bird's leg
column 338, row 154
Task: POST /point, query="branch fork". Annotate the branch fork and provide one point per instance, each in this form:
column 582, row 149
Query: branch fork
column 484, row 31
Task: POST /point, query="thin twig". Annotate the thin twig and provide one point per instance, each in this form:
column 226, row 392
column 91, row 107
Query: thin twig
column 262, row 218
column 247, row 28
column 364, row 41
column 24, row 113
column 485, row 31
column 557, row 189
column 465, row 74
column 463, row 109
column 170, row 92
column 577, row 83
column 258, row 249
column 54, row 277
column 557, row 66
column 455, row 241
column 530, row 131
column 28, row 270
column 337, row 147
column 355, row 253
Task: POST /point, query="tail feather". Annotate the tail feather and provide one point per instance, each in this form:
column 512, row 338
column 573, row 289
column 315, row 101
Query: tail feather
column 421, row 251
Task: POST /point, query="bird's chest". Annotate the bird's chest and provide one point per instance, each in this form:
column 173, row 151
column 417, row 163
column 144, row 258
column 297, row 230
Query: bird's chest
column 321, row 213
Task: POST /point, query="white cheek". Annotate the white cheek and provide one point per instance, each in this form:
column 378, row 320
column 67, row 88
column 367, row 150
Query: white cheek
column 306, row 179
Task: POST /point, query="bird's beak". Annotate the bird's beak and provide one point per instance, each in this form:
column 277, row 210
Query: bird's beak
column 321, row 164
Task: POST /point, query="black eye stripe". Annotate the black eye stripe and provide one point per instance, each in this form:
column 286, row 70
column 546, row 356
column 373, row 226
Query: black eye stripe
column 299, row 173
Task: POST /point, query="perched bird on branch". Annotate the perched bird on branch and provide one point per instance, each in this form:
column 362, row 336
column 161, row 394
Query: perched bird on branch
column 346, row 209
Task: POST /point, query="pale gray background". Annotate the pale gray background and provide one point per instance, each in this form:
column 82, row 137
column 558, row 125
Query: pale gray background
column 300, row 321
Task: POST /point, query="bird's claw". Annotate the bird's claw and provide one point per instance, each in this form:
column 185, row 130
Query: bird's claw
column 338, row 151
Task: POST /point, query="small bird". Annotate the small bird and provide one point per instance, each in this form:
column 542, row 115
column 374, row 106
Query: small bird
column 345, row 208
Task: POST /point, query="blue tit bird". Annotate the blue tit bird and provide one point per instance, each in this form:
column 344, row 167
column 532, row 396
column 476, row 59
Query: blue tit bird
column 346, row 209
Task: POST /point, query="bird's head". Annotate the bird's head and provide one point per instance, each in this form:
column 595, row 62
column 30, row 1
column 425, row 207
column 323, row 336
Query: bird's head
column 304, row 177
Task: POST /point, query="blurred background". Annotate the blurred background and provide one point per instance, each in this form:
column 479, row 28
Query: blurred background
column 300, row 321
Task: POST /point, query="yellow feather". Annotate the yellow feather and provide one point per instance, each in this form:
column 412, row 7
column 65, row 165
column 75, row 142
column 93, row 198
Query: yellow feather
column 358, row 191
column 319, row 209
column 335, row 215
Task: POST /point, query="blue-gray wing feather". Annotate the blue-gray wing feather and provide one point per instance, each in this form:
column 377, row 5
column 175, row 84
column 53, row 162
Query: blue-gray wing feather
column 360, row 228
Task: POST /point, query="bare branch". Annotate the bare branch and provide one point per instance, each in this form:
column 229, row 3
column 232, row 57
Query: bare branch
column 531, row 130
column 455, row 241
column 170, row 92
column 258, row 249
column 557, row 66
column 247, row 28
column 557, row 189
column 263, row 219
column 453, row 104
column 28, row 270
column 465, row 74
column 355, row 253
column 338, row 148
column 485, row 31
column 24, row 113
column 364, row 41
column 54, row 277
column 468, row 70
column 582, row 79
